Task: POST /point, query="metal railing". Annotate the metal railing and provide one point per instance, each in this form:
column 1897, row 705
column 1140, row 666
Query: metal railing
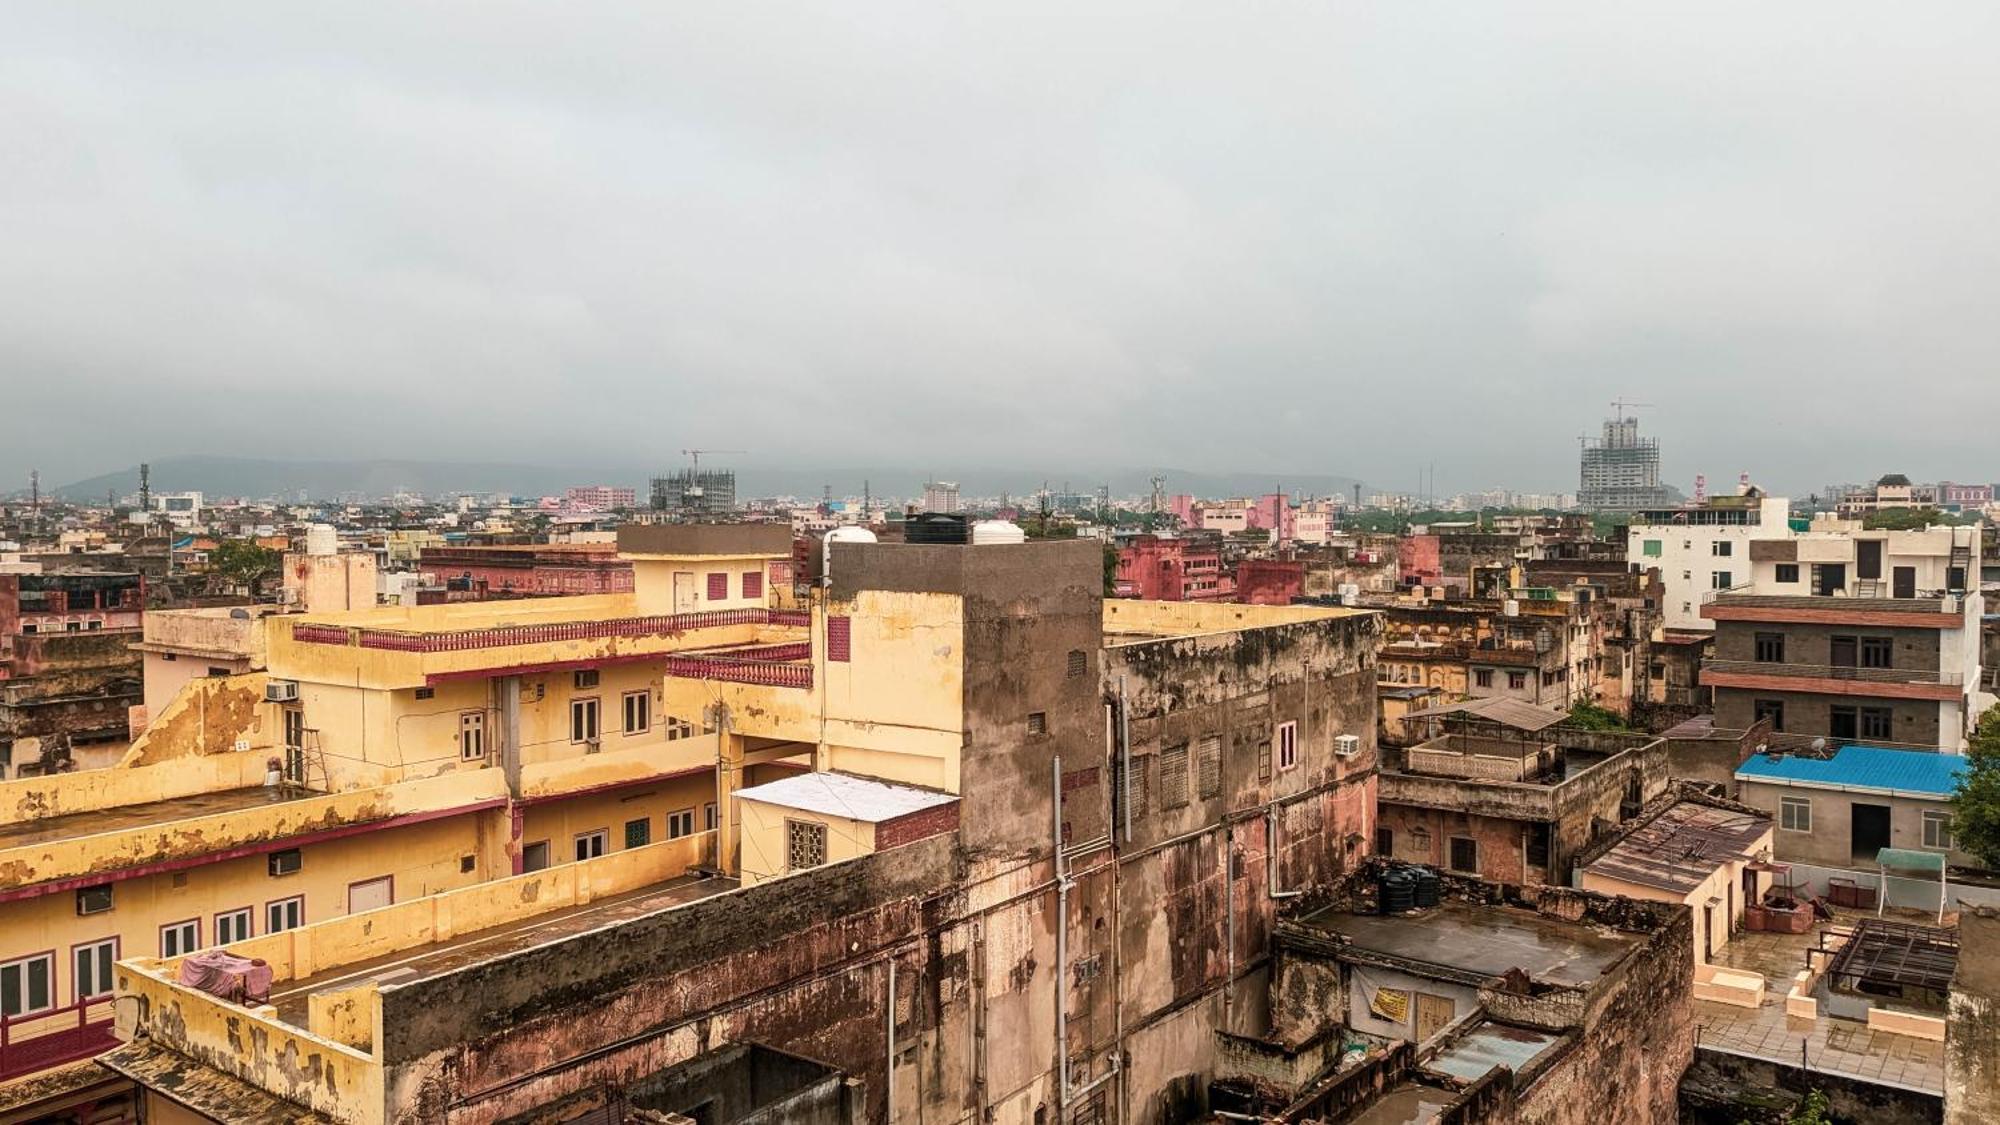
column 500, row 636
column 765, row 673
column 1924, row 601
column 77, row 1030
column 1834, row 672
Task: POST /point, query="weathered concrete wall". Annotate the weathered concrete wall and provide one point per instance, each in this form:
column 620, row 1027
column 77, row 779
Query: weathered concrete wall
column 1720, row 1088
column 1972, row 1026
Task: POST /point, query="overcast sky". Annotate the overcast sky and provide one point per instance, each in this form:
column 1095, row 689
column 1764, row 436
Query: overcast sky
column 1300, row 237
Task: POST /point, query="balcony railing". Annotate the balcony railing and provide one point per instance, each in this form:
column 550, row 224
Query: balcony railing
column 766, row 673
column 460, row 640
column 1834, row 672
column 78, row 1030
column 1925, row 601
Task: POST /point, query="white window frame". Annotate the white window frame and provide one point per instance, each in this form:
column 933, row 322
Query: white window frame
column 281, row 914
column 84, row 979
column 1287, row 745
column 585, row 715
column 1790, row 810
column 190, row 933
column 599, row 838
column 680, row 823
column 711, row 817
column 231, row 920
column 637, row 705
column 1937, row 827
column 471, row 736
column 19, row 967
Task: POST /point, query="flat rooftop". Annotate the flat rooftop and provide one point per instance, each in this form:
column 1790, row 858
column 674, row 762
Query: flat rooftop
column 845, row 795
column 1488, row 940
column 408, row 965
column 1406, row 1105
column 1131, row 621
column 72, row 825
column 1490, row 1045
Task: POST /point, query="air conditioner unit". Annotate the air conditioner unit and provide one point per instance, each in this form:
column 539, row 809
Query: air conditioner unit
column 592, row 745
column 1346, row 745
column 93, row 900
column 587, row 678
column 287, row 862
column 281, row 691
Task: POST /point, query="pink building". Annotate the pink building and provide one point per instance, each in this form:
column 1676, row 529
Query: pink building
column 598, row 497
column 530, row 570
column 1269, row 581
column 1418, row 560
column 1172, row 570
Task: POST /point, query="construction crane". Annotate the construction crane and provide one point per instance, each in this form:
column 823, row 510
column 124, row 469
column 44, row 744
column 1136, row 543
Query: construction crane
column 1619, row 404
column 696, row 454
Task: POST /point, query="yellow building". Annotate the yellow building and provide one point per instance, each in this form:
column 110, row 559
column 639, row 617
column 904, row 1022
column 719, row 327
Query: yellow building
column 380, row 756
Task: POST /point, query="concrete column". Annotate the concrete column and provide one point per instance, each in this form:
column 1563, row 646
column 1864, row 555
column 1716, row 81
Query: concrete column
column 728, row 779
column 507, row 702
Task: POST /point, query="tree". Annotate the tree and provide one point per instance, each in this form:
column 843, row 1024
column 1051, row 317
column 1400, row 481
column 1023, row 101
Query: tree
column 1911, row 519
column 1975, row 822
column 1590, row 716
column 244, row 562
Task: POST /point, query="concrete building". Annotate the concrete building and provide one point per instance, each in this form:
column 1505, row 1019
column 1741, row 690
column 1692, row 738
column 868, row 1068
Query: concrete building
column 1621, row 470
column 1539, row 650
column 599, row 498
column 1852, row 635
column 1704, row 547
column 1172, row 569
column 67, row 674
column 1840, row 810
column 1031, row 871
column 941, row 496
column 534, row 570
column 1709, row 855
column 694, row 493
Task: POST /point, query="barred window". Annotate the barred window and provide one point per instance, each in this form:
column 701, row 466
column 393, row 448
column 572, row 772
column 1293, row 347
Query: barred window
column 1173, row 776
column 1078, row 662
column 805, row 844
column 1208, row 766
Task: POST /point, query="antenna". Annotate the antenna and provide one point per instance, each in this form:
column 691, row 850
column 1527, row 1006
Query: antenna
column 145, row 487
column 35, row 497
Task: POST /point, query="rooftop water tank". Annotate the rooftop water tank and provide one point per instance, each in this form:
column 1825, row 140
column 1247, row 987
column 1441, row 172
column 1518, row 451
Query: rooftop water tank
column 935, row 527
column 840, row 535
column 321, row 540
column 997, row 531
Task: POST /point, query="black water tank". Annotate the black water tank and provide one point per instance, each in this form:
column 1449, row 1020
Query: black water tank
column 1429, row 890
column 1397, row 889
column 936, row 527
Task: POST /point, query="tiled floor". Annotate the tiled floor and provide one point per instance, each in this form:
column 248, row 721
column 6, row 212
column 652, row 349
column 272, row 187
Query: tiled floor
column 1831, row 1045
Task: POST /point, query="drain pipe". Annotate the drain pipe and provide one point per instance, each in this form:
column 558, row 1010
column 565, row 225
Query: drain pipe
column 1124, row 760
column 1271, row 854
column 1062, row 933
column 889, row 1072
column 1228, row 927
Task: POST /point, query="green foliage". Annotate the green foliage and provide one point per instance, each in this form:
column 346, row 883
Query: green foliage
column 242, row 562
column 1975, row 822
column 1110, row 570
column 1911, row 519
column 1590, row 716
column 1812, row 1111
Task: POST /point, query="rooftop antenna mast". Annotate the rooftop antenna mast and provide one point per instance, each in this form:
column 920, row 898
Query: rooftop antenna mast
column 35, row 499
column 145, row 487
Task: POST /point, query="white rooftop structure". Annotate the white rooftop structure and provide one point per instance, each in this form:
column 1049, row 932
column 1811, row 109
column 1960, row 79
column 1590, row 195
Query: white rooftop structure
column 845, row 795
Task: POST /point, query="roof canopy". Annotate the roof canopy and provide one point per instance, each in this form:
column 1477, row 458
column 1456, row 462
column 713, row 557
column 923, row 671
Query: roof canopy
column 1506, row 712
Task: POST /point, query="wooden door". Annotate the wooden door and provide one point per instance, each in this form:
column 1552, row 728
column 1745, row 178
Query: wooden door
column 684, row 592
column 1433, row 1013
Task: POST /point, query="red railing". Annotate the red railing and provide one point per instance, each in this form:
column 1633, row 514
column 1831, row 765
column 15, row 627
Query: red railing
column 460, row 640
column 790, row 650
column 37, row 1042
column 799, row 617
column 766, row 673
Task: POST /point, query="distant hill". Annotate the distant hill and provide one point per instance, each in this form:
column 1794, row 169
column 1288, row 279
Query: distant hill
column 258, row 478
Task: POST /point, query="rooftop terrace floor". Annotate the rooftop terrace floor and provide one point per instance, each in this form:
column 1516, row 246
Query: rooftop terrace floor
column 1406, row 1105
column 405, row 966
column 1830, row 1045
column 1488, row 940
column 72, row 825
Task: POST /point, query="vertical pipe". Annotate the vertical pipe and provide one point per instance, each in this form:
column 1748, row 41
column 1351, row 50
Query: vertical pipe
column 889, row 1071
column 1228, row 927
column 1124, row 760
column 1062, row 934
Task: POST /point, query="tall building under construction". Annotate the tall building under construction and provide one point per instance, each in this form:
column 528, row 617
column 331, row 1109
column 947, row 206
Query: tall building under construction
column 1621, row 470
column 695, row 493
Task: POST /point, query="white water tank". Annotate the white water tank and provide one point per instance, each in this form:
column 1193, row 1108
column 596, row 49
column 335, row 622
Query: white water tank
column 321, row 540
column 1350, row 593
column 1510, row 608
column 997, row 531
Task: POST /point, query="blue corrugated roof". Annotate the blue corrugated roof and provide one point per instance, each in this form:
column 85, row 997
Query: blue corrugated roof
column 1871, row 767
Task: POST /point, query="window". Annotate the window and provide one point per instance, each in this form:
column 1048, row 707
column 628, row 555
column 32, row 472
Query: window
column 1482, row 677
column 1535, row 847
column 180, row 937
column 1721, row 580
column 232, row 926
column 1651, row 548
column 535, row 856
column 1721, row 548
column 1517, row 680
column 590, row 845
column 27, row 986
column 710, row 821
column 471, row 736
column 1038, row 722
column 638, row 712
column 1208, row 766
column 680, row 824
column 285, row 914
column 1787, row 574
column 805, row 844
column 718, row 587
column 1842, row 723
column 1772, row 709
column 93, row 962
column 1770, row 648
column 1878, row 722
column 1078, row 663
column 93, row 900
column 1173, row 776
column 839, row 639
column 677, row 729
column 1465, row 854
column 1795, row 814
column 582, row 720
column 586, row 679
column 753, row 583
column 1937, row 830
column 1385, row 841
column 426, row 693
column 639, row 833
column 1878, row 652
column 1288, row 745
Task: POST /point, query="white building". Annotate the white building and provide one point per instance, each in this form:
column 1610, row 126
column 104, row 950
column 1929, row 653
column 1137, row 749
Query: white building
column 1702, row 548
column 941, row 496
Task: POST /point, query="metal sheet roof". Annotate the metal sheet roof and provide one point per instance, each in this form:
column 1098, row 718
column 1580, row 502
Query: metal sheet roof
column 1917, row 772
column 1681, row 847
column 1507, row 712
column 845, row 795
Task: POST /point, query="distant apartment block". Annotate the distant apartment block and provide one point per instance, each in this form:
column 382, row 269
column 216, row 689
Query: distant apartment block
column 599, row 497
column 1162, row 569
column 1621, row 470
column 694, row 493
column 941, row 496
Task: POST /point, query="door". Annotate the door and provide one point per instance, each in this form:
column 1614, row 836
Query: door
column 1829, row 579
column 1433, row 1013
column 371, row 894
column 1870, row 830
column 1868, row 559
column 1708, row 931
column 684, row 592
column 1904, row 582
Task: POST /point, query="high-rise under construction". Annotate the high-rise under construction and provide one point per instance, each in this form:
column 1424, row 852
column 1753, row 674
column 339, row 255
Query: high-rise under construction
column 1621, row 470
